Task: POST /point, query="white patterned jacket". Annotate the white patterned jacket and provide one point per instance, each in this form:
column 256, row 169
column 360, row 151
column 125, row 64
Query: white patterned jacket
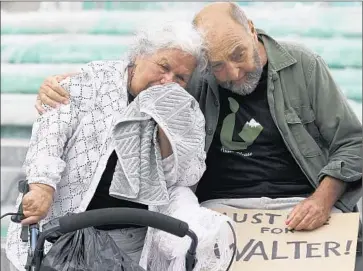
column 70, row 146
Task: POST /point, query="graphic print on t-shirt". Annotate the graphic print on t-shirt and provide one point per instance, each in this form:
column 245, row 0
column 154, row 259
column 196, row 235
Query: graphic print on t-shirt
column 248, row 134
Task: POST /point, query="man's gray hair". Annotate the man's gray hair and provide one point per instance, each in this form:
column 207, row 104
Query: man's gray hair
column 169, row 35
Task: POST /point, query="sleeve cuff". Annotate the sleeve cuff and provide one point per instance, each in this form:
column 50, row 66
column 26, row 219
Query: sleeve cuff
column 335, row 169
column 42, row 180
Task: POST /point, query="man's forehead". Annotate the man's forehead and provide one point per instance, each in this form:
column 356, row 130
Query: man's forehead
column 223, row 41
column 210, row 24
column 220, row 28
column 221, row 32
column 217, row 54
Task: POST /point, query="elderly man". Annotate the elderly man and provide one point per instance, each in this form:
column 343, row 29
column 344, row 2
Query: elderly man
column 280, row 135
column 279, row 131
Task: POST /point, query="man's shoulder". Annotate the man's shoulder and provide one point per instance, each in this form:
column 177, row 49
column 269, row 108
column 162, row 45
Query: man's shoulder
column 299, row 51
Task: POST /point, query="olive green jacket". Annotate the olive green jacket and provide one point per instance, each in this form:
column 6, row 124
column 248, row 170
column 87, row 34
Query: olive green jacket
column 314, row 119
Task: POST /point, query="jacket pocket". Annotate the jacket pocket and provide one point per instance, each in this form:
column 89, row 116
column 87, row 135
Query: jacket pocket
column 306, row 140
column 307, row 116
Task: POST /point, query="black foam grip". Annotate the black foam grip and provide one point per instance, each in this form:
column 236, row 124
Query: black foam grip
column 115, row 216
column 23, row 187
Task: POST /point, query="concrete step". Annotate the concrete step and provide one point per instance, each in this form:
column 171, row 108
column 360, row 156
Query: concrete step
column 18, row 109
column 16, row 131
column 9, row 180
column 13, row 152
column 10, row 176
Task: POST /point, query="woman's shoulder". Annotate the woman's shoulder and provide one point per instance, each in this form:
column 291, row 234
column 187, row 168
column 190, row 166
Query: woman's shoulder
column 105, row 67
column 99, row 77
column 106, row 76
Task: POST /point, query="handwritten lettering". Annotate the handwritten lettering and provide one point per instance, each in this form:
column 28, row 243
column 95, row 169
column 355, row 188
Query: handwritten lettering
column 259, row 250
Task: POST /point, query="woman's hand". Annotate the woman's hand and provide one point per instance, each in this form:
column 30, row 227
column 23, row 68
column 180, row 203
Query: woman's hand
column 165, row 147
column 36, row 203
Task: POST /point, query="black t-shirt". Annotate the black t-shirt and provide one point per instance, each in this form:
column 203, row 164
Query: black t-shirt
column 102, row 199
column 248, row 157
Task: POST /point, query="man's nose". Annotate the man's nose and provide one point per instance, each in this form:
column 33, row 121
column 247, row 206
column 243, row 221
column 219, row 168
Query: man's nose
column 233, row 72
column 167, row 78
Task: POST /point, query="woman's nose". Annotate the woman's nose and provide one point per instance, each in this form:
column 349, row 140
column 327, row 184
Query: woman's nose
column 167, row 78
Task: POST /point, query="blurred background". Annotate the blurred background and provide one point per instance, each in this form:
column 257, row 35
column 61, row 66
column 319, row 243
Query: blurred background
column 39, row 39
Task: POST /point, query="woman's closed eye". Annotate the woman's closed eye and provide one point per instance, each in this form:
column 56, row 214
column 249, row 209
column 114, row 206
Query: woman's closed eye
column 164, row 66
column 180, row 78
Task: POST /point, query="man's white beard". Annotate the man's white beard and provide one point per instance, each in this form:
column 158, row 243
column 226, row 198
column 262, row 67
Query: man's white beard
column 251, row 79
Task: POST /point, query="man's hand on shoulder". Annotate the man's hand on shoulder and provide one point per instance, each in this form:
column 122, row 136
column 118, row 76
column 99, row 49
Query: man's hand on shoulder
column 51, row 93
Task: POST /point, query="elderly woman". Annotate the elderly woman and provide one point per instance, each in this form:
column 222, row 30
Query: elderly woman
column 130, row 136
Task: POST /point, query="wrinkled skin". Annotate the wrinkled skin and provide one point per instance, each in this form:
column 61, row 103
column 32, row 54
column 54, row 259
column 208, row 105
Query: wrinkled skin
column 236, row 56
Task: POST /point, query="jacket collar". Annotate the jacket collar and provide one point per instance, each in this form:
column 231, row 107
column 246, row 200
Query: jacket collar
column 278, row 57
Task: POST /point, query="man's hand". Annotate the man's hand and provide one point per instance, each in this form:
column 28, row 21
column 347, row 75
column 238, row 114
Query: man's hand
column 314, row 211
column 36, row 203
column 309, row 214
column 51, row 93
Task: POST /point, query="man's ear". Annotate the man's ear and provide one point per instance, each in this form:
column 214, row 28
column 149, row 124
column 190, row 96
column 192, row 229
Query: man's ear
column 251, row 26
column 252, row 29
